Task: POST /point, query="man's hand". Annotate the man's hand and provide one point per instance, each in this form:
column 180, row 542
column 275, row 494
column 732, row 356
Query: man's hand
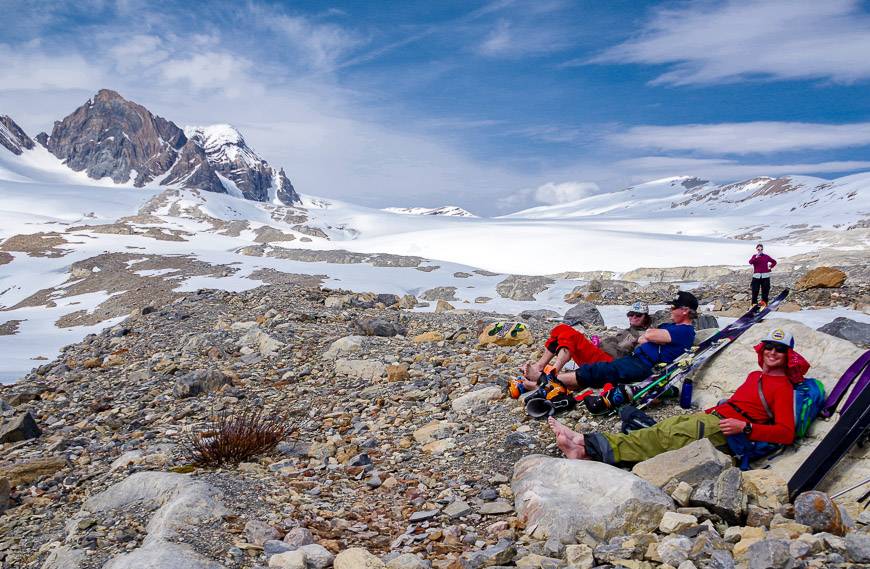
column 731, row 426
column 642, row 340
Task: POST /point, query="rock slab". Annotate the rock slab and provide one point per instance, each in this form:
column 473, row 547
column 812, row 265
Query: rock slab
column 575, row 501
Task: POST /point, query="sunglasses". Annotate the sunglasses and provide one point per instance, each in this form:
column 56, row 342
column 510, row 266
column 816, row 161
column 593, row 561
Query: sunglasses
column 635, row 314
column 776, row 347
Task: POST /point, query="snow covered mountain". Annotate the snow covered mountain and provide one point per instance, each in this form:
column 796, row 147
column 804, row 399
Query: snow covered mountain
column 447, row 211
column 111, row 137
column 762, row 207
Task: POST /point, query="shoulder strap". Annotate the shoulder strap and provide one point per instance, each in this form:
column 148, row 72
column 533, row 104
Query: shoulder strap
column 764, row 400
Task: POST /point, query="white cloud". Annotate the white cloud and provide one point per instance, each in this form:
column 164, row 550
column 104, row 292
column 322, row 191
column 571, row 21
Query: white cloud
column 515, row 38
column 138, row 51
column 320, row 45
column 564, row 192
column 212, row 70
column 648, row 168
column 745, row 138
column 775, row 39
column 27, row 66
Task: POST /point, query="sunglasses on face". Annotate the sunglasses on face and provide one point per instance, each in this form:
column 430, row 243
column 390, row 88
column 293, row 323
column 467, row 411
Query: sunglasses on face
column 778, row 348
column 635, row 314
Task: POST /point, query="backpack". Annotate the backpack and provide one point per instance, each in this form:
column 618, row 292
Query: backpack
column 809, row 398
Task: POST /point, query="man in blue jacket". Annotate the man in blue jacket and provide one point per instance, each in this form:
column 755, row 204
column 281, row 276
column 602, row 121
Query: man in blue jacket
column 657, row 345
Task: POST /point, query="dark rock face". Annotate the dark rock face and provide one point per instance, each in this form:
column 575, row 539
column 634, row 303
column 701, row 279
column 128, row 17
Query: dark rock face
column 231, row 157
column 19, row 428
column 856, row 332
column 12, row 137
column 585, row 314
column 111, row 136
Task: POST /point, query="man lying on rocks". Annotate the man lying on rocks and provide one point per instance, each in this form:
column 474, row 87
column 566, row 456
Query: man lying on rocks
column 597, row 368
column 566, row 343
column 744, row 412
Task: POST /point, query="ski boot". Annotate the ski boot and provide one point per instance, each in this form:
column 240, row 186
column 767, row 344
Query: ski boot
column 608, row 400
column 542, row 407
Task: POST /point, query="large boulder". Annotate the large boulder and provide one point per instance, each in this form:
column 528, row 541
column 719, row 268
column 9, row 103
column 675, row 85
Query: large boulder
column 521, row 287
column 361, row 369
column 579, row 500
column 19, row 428
column 829, row 358
column 469, row 401
column 691, row 464
column 585, row 314
column 821, row 277
column 856, row 332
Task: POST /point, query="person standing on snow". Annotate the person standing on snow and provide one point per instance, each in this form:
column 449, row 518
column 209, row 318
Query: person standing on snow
column 761, row 263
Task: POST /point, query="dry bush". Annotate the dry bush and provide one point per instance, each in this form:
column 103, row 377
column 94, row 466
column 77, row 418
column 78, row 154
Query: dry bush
column 231, row 438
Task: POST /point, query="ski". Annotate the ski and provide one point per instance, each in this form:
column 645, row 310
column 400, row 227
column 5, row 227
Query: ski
column 686, row 366
column 849, row 376
column 849, row 429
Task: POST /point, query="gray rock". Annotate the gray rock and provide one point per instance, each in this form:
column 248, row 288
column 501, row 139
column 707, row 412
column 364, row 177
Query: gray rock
column 259, row 532
column 273, row 547
column 723, row 496
column 542, row 314
column 858, row 547
column 19, row 428
column 719, row 559
column 440, row 293
column 297, row 537
column 162, row 555
column 848, row 329
column 674, row 549
column 388, row 299
column 816, row 510
column 571, row 500
column 521, row 287
column 12, row 137
column 408, row 561
column 770, row 554
column 64, row 557
column 692, row 464
column 361, row 369
column 501, row 553
column 422, row 516
column 199, row 382
column 585, row 314
column 457, row 509
column 379, row 327
column 706, row 321
column 317, row 556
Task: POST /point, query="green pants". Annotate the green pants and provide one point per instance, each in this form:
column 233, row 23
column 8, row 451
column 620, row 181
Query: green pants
column 670, row 434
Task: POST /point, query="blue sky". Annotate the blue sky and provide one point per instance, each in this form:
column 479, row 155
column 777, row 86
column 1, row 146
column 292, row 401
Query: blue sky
column 494, row 106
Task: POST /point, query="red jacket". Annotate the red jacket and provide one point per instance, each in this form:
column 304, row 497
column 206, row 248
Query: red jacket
column 778, row 391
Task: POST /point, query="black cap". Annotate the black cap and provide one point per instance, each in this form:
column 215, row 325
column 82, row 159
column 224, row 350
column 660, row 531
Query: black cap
column 685, row 298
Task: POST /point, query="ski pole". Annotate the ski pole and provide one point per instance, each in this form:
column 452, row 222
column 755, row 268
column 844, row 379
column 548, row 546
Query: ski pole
column 858, row 485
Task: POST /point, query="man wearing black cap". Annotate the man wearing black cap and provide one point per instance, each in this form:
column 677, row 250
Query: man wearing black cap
column 657, row 345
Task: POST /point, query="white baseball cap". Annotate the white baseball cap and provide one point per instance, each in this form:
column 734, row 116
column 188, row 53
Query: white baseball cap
column 639, row 306
column 780, row 336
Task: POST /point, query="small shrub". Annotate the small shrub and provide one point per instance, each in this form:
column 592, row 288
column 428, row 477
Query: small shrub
column 237, row 437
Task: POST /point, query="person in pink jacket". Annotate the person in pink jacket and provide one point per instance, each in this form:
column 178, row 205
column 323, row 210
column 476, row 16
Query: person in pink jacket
column 761, row 263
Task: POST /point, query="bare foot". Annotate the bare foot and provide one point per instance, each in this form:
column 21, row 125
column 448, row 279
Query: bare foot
column 570, row 443
column 531, row 374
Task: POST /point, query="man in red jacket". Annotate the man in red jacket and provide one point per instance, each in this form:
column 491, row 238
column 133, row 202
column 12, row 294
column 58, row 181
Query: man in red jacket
column 744, row 412
column 761, row 263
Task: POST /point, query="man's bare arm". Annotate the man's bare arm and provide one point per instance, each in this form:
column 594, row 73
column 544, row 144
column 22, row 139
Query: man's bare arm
column 657, row 336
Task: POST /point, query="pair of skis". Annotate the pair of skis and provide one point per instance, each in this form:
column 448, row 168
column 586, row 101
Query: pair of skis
column 850, row 429
column 686, row 365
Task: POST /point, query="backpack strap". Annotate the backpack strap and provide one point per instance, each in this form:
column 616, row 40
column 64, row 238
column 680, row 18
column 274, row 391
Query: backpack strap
column 764, row 401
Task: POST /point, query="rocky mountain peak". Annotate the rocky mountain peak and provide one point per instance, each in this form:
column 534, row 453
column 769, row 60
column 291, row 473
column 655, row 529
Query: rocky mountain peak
column 12, row 137
column 112, row 136
column 235, row 161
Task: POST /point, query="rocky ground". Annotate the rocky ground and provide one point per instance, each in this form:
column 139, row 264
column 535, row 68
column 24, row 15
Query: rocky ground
column 404, row 452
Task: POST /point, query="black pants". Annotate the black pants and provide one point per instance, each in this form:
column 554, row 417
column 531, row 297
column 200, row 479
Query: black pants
column 764, row 285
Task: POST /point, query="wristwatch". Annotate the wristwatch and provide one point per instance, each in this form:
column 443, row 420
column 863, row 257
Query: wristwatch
column 747, row 430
